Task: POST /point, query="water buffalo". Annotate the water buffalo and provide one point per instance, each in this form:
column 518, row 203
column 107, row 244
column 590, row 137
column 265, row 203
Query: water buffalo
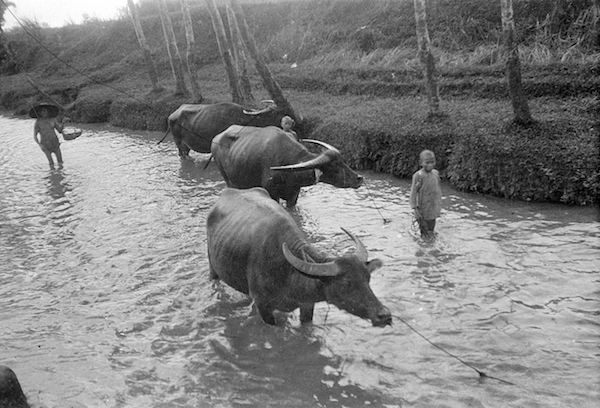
column 11, row 394
column 194, row 126
column 255, row 246
column 270, row 158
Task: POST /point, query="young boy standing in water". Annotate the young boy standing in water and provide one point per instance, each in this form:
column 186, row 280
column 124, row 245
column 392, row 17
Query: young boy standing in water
column 426, row 194
column 48, row 140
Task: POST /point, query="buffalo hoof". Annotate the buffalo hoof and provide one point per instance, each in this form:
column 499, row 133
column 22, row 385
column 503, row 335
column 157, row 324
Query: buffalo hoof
column 11, row 394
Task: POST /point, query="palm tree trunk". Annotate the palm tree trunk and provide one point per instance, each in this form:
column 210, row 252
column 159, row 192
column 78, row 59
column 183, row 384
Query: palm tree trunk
column 172, row 49
column 139, row 32
column 518, row 99
column 237, row 46
column 426, row 57
column 190, row 55
column 219, row 29
column 268, row 80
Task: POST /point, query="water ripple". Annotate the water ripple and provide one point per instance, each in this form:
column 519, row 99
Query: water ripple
column 105, row 298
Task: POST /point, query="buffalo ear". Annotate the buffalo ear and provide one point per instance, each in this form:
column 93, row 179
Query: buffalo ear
column 374, row 264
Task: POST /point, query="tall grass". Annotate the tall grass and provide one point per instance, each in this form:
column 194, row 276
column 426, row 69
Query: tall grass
column 363, row 34
column 569, row 33
column 405, row 58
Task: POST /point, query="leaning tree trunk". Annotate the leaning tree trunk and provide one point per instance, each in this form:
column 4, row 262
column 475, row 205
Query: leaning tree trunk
column 190, row 55
column 513, row 66
column 596, row 22
column 426, row 57
column 269, row 82
column 239, row 56
column 219, row 29
column 139, row 32
column 172, row 49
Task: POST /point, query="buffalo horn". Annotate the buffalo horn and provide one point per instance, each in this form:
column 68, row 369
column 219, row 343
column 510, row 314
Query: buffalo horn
column 311, row 164
column 309, row 268
column 361, row 251
column 325, row 145
column 259, row 112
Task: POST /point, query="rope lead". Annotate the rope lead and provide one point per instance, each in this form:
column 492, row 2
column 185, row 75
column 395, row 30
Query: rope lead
column 481, row 373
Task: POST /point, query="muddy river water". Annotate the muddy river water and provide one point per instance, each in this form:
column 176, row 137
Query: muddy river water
column 105, row 299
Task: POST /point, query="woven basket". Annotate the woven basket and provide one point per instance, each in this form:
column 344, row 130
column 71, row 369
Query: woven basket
column 71, row 133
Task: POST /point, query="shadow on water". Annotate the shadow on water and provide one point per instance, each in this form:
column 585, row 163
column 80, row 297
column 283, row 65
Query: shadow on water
column 200, row 170
column 58, row 187
column 432, row 259
column 231, row 358
column 200, row 183
column 275, row 366
column 190, row 170
column 60, row 212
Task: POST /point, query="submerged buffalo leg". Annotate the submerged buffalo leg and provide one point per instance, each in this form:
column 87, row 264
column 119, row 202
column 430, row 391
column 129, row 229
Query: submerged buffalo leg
column 266, row 313
column 306, row 314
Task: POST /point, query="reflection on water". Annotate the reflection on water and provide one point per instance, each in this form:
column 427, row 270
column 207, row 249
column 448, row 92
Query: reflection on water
column 105, row 298
column 57, row 186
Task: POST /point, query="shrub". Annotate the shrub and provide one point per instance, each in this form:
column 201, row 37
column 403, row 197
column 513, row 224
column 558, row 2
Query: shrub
column 90, row 110
column 387, row 137
column 554, row 160
column 346, row 137
column 148, row 114
column 546, row 162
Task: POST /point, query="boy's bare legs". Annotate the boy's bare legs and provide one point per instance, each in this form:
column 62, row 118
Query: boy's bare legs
column 427, row 227
column 58, row 154
column 48, row 154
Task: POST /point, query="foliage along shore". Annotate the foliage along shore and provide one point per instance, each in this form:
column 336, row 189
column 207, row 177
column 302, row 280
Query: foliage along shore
column 375, row 113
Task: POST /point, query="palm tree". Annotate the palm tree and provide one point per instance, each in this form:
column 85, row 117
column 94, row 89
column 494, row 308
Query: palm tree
column 268, row 80
column 172, row 49
column 239, row 56
column 4, row 5
column 223, row 44
column 426, row 57
column 190, row 55
column 522, row 115
column 139, row 32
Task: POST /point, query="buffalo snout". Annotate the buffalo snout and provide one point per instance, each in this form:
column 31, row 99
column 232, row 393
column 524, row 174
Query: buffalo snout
column 354, row 181
column 383, row 318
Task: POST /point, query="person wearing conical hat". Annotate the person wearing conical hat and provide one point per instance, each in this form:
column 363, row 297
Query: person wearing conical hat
column 45, row 126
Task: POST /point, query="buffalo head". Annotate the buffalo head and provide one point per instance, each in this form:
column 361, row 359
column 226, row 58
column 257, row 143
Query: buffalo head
column 346, row 282
column 334, row 169
column 270, row 115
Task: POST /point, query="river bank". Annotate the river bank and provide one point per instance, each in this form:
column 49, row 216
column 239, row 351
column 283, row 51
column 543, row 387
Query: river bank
column 478, row 148
column 350, row 69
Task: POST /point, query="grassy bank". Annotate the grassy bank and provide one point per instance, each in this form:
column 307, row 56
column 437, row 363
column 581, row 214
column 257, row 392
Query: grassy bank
column 478, row 150
column 358, row 85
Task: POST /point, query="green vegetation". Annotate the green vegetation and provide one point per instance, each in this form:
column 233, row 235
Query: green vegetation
column 357, row 81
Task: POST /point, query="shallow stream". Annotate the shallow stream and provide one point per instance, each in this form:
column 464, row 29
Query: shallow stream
column 105, row 299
